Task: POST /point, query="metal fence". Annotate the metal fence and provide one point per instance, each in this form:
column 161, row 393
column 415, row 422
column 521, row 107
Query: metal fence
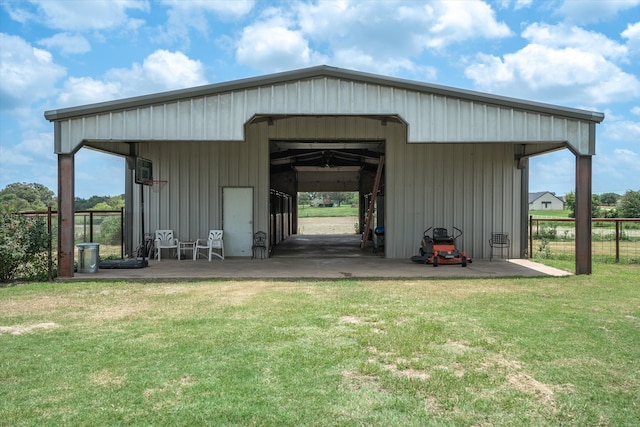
column 105, row 227
column 612, row 239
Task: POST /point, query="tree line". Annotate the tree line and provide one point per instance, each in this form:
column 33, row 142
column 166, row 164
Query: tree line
column 23, row 197
column 609, row 205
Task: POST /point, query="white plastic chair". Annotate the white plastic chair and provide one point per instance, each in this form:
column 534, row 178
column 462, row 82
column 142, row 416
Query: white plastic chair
column 165, row 240
column 213, row 243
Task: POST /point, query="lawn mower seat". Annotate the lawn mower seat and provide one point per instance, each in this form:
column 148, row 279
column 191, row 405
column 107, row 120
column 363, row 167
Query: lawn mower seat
column 440, row 235
column 426, row 246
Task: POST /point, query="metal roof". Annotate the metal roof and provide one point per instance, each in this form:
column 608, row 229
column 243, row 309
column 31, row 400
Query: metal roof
column 323, row 71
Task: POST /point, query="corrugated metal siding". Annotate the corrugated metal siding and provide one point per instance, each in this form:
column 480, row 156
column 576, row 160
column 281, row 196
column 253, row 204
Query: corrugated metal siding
column 191, row 201
column 473, row 187
column 222, row 116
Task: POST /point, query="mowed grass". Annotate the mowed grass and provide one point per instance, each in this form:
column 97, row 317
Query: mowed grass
column 543, row 351
column 335, row 211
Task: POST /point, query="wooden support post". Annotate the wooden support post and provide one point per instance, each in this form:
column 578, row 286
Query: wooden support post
column 583, row 215
column 66, row 219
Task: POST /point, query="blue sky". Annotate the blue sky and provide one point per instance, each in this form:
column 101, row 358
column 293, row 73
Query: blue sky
column 63, row 53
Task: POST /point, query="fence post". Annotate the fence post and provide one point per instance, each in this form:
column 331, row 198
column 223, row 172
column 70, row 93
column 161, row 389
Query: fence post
column 50, row 246
column 122, row 233
column 91, row 226
column 617, row 241
column 530, row 236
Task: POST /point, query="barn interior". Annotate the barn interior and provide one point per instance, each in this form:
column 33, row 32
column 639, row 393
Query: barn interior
column 323, row 166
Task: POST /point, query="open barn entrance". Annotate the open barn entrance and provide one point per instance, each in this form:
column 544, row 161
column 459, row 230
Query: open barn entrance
column 328, row 177
column 321, row 213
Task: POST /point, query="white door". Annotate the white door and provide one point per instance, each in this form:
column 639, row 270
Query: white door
column 237, row 217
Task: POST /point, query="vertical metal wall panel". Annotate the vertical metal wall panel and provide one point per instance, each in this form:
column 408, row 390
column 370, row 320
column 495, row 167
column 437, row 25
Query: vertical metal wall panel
column 223, row 115
column 446, row 185
column 89, row 125
column 131, row 123
column 183, row 128
column 190, row 203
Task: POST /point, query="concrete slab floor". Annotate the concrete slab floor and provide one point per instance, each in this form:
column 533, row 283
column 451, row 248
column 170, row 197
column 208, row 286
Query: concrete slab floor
column 320, row 257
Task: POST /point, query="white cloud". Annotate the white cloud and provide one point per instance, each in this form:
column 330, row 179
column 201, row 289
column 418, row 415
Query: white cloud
column 521, row 4
column 28, row 73
column 622, row 130
column 183, row 15
column 632, row 34
column 560, row 36
column 86, row 90
column 160, row 71
column 403, row 26
column 587, row 12
column 271, row 45
column 458, row 21
column 34, row 155
column 564, row 65
column 235, row 8
column 77, row 15
column 358, row 60
column 611, row 171
column 381, row 36
column 67, row 43
column 636, row 110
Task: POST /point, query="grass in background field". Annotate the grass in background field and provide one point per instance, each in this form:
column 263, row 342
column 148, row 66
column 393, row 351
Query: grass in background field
column 544, row 351
column 313, row 212
column 550, row 214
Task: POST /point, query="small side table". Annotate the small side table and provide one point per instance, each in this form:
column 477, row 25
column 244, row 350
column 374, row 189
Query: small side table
column 183, row 247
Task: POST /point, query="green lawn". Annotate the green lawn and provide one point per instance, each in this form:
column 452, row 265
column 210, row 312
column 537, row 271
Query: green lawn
column 312, row 212
column 550, row 214
column 542, row 351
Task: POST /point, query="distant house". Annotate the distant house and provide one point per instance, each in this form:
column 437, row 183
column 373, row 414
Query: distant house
column 545, row 200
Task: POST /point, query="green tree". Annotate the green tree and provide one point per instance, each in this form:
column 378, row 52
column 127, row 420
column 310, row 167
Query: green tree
column 570, row 201
column 341, row 197
column 23, row 247
column 113, row 202
column 22, row 196
column 630, row 205
column 110, row 226
column 304, row 199
column 110, row 230
column 609, row 198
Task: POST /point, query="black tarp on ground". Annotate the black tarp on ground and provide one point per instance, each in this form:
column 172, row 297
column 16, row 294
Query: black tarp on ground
column 123, row 263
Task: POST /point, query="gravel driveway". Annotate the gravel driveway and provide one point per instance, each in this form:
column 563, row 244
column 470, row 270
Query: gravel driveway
column 330, row 225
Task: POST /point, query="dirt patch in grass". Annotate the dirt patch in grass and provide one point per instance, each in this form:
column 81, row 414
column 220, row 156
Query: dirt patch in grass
column 525, row 383
column 21, row 330
column 106, row 378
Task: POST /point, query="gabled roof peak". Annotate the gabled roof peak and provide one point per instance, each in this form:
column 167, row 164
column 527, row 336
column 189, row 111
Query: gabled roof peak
column 319, row 72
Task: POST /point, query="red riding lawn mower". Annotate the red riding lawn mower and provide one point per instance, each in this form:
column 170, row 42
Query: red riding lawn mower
column 440, row 248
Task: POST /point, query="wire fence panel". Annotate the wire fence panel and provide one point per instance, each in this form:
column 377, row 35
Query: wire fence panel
column 612, row 239
column 105, row 227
